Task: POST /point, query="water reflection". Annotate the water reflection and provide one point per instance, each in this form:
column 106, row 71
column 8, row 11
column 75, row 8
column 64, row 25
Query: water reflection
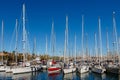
column 70, row 76
column 58, row 76
column 25, row 76
column 84, row 76
column 112, row 76
column 99, row 76
column 55, row 76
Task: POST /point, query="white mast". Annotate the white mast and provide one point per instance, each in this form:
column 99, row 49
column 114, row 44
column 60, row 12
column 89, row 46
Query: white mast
column 75, row 49
column 46, row 46
column 96, row 50
column 100, row 38
column 87, row 52
column 16, row 39
column 115, row 33
column 66, row 39
column 82, row 41
column 34, row 46
column 107, row 45
column 119, row 49
column 53, row 40
column 65, row 46
column 2, row 39
column 67, row 34
column 24, row 33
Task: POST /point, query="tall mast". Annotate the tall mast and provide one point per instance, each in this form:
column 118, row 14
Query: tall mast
column 87, row 47
column 115, row 33
column 52, row 39
column 107, row 45
column 65, row 47
column 96, row 50
column 24, row 33
column 2, row 39
column 75, row 49
column 100, row 38
column 16, row 40
column 82, row 41
column 34, row 46
column 119, row 49
column 67, row 34
column 66, row 39
column 46, row 46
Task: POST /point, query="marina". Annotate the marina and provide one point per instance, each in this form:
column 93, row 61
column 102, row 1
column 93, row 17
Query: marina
column 62, row 51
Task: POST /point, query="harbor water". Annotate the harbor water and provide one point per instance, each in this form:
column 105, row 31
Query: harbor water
column 58, row 76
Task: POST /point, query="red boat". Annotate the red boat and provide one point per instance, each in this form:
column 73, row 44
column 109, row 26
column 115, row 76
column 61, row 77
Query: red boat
column 54, row 67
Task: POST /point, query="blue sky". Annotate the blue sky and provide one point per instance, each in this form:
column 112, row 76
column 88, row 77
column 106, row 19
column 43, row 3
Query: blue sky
column 39, row 15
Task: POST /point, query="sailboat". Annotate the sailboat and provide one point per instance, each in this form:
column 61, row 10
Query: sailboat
column 2, row 67
column 99, row 68
column 26, row 65
column 53, row 66
column 69, row 67
column 83, row 68
column 114, row 67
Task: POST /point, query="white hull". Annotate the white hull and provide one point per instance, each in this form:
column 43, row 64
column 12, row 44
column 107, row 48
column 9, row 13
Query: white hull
column 83, row 69
column 69, row 70
column 44, row 66
column 21, row 70
column 98, row 69
column 2, row 69
column 8, row 70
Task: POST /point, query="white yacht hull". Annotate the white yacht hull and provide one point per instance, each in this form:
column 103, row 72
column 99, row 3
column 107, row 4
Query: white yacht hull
column 44, row 66
column 99, row 70
column 2, row 69
column 9, row 70
column 69, row 70
column 21, row 70
column 83, row 69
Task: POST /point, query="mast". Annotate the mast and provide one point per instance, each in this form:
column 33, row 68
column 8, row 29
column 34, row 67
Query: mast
column 34, row 46
column 107, row 45
column 66, row 39
column 65, row 47
column 2, row 39
column 75, row 49
column 119, row 49
column 53, row 39
column 115, row 34
column 100, row 38
column 87, row 53
column 67, row 34
column 46, row 46
column 82, row 41
column 96, row 50
column 16, row 40
column 24, row 33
